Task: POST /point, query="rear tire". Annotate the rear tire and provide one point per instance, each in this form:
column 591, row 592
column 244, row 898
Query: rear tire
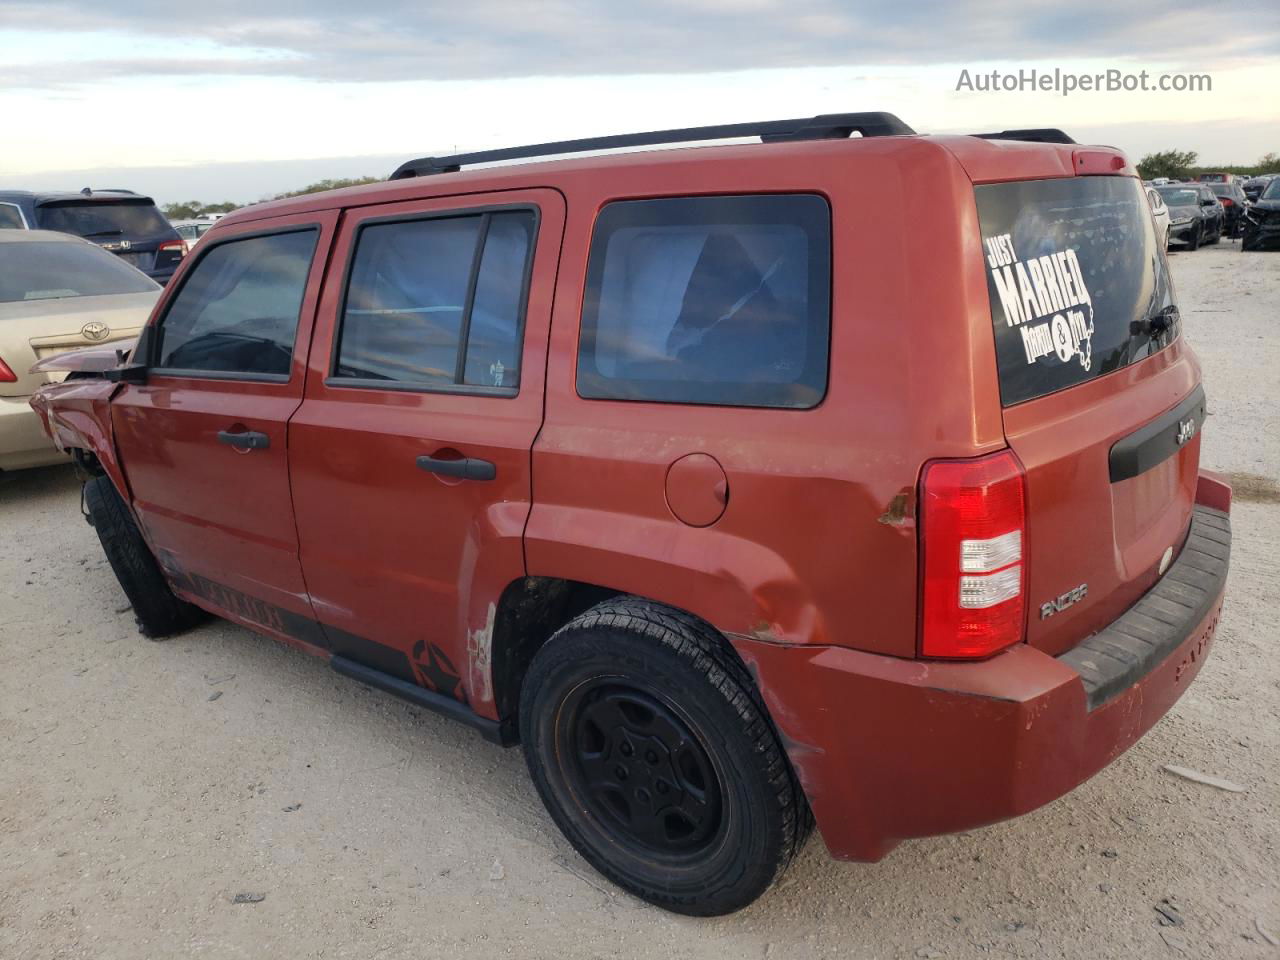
column 654, row 754
column 156, row 608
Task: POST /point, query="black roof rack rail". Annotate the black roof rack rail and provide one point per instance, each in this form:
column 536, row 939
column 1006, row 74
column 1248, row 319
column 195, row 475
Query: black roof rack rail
column 829, row 126
column 1032, row 135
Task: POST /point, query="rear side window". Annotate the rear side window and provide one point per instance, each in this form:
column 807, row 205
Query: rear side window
column 102, row 220
column 237, row 311
column 709, row 300
column 438, row 303
column 53, row 271
column 11, row 217
column 1078, row 285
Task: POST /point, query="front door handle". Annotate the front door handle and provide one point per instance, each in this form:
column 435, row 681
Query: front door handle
column 245, row 440
column 468, row 468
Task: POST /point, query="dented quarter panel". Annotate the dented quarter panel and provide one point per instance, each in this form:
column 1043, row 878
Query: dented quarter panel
column 817, row 543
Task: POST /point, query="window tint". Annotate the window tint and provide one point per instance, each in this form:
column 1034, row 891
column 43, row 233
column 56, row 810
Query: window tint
column 11, row 217
column 715, row 300
column 237, row 311
column 422, row 308
column 53, row 270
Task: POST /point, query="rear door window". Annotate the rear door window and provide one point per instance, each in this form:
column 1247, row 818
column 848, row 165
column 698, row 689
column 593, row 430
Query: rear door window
column 237, row 311
column 1078, row 285
column 11, row 217
column 709, row 300
column 438, row 303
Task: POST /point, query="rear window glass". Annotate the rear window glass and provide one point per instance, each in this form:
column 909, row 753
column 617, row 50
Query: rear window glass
column 1078, row 286
column 105, row 219
column 52, row 270
column 709, row 300
column 237, row 311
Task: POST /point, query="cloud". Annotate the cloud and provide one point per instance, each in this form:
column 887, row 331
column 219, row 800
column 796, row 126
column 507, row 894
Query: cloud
column 336, row 40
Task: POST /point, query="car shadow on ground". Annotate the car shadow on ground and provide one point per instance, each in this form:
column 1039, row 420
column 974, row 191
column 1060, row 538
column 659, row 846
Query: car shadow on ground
column 31, row 486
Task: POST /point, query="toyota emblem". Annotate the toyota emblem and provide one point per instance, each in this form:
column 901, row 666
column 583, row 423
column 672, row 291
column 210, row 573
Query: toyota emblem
column 95, row 330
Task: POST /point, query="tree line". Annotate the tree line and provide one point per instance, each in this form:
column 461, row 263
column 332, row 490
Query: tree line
column 1182, row 165
column 194, row 209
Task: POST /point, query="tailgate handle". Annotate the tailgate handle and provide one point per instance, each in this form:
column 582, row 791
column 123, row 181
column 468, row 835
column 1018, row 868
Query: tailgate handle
column 1159, row 440
column 244, row 440
column 468, row 468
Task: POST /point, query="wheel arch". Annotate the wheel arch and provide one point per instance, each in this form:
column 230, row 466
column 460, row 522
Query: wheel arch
column 531, row 609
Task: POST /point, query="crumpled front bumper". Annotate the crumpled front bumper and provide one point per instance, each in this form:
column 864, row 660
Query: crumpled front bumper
column 889, row 749
column 1265, row 234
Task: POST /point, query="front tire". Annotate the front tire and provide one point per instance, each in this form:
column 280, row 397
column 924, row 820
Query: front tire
column 156, row 608
column 654, row 754
column 1193, row 242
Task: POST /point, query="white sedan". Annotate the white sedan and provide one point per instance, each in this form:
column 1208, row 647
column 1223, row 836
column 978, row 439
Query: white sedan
column 1160, row 216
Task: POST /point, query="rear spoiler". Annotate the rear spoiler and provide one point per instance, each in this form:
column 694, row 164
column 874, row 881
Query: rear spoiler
column 1030, row 135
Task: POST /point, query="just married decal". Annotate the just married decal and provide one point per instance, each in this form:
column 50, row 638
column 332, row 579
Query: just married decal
column 1046, row 298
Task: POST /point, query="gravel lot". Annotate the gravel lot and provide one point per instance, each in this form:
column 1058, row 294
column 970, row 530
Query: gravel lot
column 144, row 785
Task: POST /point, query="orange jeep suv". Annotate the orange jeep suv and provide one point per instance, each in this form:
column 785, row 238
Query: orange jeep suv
column 834, row 478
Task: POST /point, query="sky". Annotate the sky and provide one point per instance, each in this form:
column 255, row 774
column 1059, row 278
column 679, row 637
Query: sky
column 236, row 100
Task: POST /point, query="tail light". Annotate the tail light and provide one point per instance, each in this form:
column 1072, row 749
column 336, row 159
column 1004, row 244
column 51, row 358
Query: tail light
column 6, row 373
column 973, row 533
column 178, row 247
column 1227, row 202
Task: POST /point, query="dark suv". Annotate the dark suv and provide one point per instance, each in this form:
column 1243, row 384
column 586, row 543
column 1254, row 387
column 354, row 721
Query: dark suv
column 735, row 513
column 120, row 221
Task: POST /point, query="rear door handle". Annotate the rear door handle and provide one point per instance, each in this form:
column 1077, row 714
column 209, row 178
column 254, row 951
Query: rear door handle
column 468, row 468
column 246, row 440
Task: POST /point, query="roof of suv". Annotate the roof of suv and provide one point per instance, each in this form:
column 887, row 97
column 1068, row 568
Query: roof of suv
column 985, row 160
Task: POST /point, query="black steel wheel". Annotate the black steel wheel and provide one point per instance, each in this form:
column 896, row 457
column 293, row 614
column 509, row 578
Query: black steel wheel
column 654, row 754
column 158, row 611
column 636, row 762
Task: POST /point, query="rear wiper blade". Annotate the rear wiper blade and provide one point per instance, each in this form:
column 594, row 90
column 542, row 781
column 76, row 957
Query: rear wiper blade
column 102, row 233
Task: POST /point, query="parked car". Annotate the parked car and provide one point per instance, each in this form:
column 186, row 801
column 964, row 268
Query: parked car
column 1217, row 178
column 665, row 466
column 1234, row 203
column 120, row 221
column 192, row 230
column 57, row 293
column 1160, row 216
column 1195, row 214
column 1254, row 186
column 1262, row 222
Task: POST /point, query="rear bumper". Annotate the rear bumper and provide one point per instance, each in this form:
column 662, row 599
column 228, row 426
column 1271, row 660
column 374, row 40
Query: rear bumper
column 23, row 442
column 889, row 749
